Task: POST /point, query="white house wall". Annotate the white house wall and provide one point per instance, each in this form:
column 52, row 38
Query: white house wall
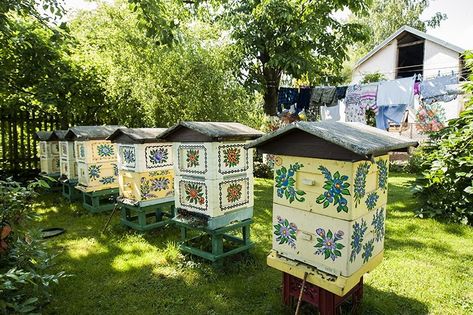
column 383, row 61
column 438, row 58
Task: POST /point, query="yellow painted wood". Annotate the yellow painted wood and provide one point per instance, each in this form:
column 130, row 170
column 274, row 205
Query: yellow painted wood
column 107, row 172
column 146, row 186
column 50, row 165
column 303, row 246
column 88, row 151
column 338, row 285
column 48, row 149
column 310, row 180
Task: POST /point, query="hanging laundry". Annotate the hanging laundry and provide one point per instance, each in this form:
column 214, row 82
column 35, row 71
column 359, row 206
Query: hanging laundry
column 394, row 113
column 396, row 92
column 354, row 111
column 417, row 88
column 440, row 89
column 368, row 97
column 303, row 100
column 330, row 113
column 286, row 98
column 321, row 96
column 341, row 91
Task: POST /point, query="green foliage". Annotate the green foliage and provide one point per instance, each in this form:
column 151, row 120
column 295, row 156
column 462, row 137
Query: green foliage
column 373, row 77
column 24, row 281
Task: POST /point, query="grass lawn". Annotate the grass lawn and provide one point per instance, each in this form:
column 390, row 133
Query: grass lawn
column 427, row 269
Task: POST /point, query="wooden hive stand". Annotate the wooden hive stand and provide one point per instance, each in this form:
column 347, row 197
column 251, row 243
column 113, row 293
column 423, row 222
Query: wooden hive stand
column 326, row 302
column 99, row 201
column 215, row 244
column 69, row 191
column 146, row 217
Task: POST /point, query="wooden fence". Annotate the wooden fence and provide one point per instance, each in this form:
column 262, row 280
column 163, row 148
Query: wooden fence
column 18, row 148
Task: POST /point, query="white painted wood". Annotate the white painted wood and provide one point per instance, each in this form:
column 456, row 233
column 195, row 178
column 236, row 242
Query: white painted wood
column 147, row 157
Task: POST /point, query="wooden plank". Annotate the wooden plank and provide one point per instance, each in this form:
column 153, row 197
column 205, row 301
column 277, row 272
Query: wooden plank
column 35, row 145
column 28, row 138
column 22, row 122
column 3, row 135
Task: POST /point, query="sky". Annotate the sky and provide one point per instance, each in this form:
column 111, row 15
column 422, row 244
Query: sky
column 457, row 29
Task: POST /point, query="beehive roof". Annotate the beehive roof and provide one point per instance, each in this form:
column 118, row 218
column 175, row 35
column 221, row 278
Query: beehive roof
column 189, row 131
column 136, row 135
column 83, row 133
column 58, row 135
column 357, row 138
column 43, row 135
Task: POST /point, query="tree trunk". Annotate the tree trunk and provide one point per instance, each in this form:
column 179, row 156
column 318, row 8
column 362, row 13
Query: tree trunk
column 271, row 79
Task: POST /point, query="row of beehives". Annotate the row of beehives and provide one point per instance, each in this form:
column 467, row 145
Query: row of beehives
column 329, row 203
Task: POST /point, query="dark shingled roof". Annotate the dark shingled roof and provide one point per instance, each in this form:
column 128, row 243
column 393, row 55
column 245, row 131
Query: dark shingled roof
column 355, row 137
column 43, row 135
column 137, row 135
column 215, row 131
column 83, row 133
column 59, row 135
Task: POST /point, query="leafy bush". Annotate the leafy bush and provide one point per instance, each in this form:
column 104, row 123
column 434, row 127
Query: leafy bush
column 24, row 280
column 445, row 188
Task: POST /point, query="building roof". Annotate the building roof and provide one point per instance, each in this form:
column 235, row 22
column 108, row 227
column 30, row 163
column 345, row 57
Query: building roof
column 43, row 135
column 83, row 133
column 58, row 135
column 358, row 138
column 136, row 135
column 414, row 31
column 191, row 131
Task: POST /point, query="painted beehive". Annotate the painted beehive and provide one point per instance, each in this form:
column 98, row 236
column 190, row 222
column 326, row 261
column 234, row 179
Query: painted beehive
column 67, row 161
column 48, row 153
column 330, row 192
column 145, row 165
column 214, row 172
column 96, row 157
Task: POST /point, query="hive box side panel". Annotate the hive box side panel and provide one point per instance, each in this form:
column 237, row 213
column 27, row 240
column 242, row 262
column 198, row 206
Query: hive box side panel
column 147, row 186
column 335, row 246
column 50, row 165
column 98, row 176
column 95, row 151
column 213, row 197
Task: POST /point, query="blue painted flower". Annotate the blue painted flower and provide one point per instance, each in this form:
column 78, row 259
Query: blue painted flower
column 285, row 232
column 160, row 183
column 335, row 188
column 371, row 200
column 280, row 192
column 129, row 155
column 360, row 182
column 378, row 224
column 107, row 180
column 368, row 249
column 94, row 171
column 357, row 238
column 158, row 156
column 382, row 174
column 104, row 150
column 285, row 183
column 327, row 244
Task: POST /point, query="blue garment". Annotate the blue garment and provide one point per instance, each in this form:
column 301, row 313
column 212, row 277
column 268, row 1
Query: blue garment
column 393, row 113
column 341, row 91
column 437, row 89
column 303, row 100
column 286, row 98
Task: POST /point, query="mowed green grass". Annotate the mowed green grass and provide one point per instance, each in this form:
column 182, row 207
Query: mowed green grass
column 428, row 266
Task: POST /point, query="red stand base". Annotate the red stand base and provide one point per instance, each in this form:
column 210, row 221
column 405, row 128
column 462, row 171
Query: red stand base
column 326, row 302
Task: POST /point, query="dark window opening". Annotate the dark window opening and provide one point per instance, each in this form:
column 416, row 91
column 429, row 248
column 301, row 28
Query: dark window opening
column 410, row 59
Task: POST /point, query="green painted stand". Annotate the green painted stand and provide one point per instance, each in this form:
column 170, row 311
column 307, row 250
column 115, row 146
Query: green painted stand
column 54, row 185
column 217, row 237
column 100, row 201
column 148, row 217
column 70, row 192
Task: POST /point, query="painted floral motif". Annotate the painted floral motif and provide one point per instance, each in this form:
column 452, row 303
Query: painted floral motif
column 382, row 174
column 285, row 183
column 378, row 224
column 327, row 244
column 371, row 200
column 360, row 181
column 64, row 149
column 367, row 250
column 357, row 238
column 286, row 233
column 94, row 171
column 115, row 169
column 160, row 183
column 104, row 150
column 335, row 187
column 231, row 157
column 194, row 193
column 129, row 155
column 234, row 192
column 107, row 180
column 160, row 173
column 81, row 151
column 145, row 188
column 158, row 156
column 192, row 158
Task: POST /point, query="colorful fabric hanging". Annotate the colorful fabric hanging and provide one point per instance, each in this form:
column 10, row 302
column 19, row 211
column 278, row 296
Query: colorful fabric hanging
column 440, row 89
column 354, row 112
column 286, row 98
column 368, row 96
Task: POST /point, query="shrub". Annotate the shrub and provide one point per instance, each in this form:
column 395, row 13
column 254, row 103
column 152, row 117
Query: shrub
column 24, row 280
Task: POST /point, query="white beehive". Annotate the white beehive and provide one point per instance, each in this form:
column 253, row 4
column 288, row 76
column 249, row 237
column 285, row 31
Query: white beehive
column 330, row 192
column 48, row 153
column 95, row 156
column 145, row 165
column 214, row 172
column 67, row 161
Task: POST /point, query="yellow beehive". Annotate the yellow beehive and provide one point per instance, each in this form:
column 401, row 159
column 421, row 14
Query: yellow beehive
column 145, row 165
column 330, row 193
column 48, row 153
column 95, row 156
